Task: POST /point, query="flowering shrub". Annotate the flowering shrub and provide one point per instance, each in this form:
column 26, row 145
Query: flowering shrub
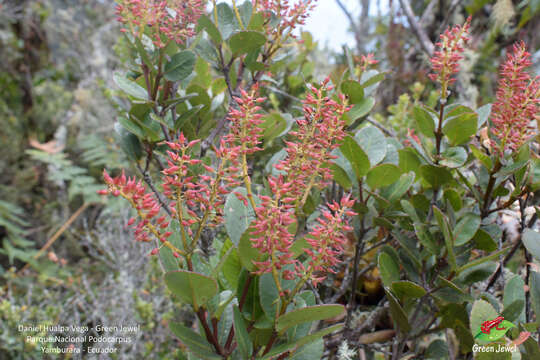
column 248, row 233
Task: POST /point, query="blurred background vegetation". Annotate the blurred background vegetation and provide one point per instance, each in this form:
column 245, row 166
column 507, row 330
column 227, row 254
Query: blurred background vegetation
column 61, row 245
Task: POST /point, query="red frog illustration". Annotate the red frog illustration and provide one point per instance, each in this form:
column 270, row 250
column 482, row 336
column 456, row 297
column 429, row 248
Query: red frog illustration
column 490, row 324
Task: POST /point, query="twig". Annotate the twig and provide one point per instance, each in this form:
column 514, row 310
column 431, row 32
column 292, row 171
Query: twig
column 57, row 234
column 426, row 43
column 377, row 124
column 148, row 180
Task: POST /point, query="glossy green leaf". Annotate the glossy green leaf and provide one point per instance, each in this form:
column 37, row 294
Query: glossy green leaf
column 466, row 228
column 442, row 220
column 534, row 288
column 424, row 121
column 353, row 90
column 180, row 66
column 514, row 290
column 407, row 288
column 191, row 287
column 301, row 342
column 208, row 25
column 130, row 87
column 227, row 22
column 396, row 190
column 454, row 157
column 398, row 314
column 531, row 241
column 388, row 268
column 194, row 342
column 356, row 156
column 186, row 116
column 373, row 142
column 269, row 295
column 436, row 176
column 483, row 114
column 383, row 175
column 481, row 311
column 244, row 42
column 237, row 214
column 361, row 109
column 308, row 314
column 241, row 334
column 460, row 128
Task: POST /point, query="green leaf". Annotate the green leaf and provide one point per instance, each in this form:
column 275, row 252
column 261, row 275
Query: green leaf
column 383, row 175
column 227, row 22
column 460, row 128
column 481, row 311
column 194, row 342
column 398, row 314
column 484, row 241
column 408, row 160
column 340, row 176
column 301, row 342
column 483, row 114
column 130, row 87
column 479, row 154
column 531, row 241
column 269, row 295
column 129, row 143
column 190, row 287
column 180, row 66
column 207, row 24
column 241, row 334
column 361, row 109
column 514, row 290
column 513, row 310
column 308, row 314
column 454, row 157
column 484, row 259
column 373, row 142
column 247, row 252
column 244, row 42
column 407, row 288
column 395, row 191
column 356, row 156
column 353, row 90
column 442, row 220
column 312, row 351
column 237, row 215
column 186, row 115
column 437, row 350
column 466, row 228
column 388, row 268
column 131, row 126
column 436, row 176
column 274, row 124
column 534, row 286
column 424, row 121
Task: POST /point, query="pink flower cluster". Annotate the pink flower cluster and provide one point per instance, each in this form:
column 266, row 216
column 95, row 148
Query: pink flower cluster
column 305, row 166
column 245, row 132
column 146, row 205
column 319, row 132
column 271, row 235
column 290, row 15
column 165, row 19
column 518, row 99
column 327, row 239
column 445, row 61
column 202, row 194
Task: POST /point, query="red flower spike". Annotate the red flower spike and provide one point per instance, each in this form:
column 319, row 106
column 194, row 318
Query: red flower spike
column 445, row 61
column 517, row 104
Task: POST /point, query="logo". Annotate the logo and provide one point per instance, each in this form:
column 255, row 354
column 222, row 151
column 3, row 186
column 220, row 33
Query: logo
column 493, row 330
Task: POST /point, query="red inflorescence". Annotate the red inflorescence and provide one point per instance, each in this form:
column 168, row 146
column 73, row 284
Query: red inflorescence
column 445, row 61
column 290, row 16
column 271, row 235
column 164, row 19
column 319, row 132
column 200, row 194
column 518, row 99
column 245, row 132
column 328, row 237
column 146, row 205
